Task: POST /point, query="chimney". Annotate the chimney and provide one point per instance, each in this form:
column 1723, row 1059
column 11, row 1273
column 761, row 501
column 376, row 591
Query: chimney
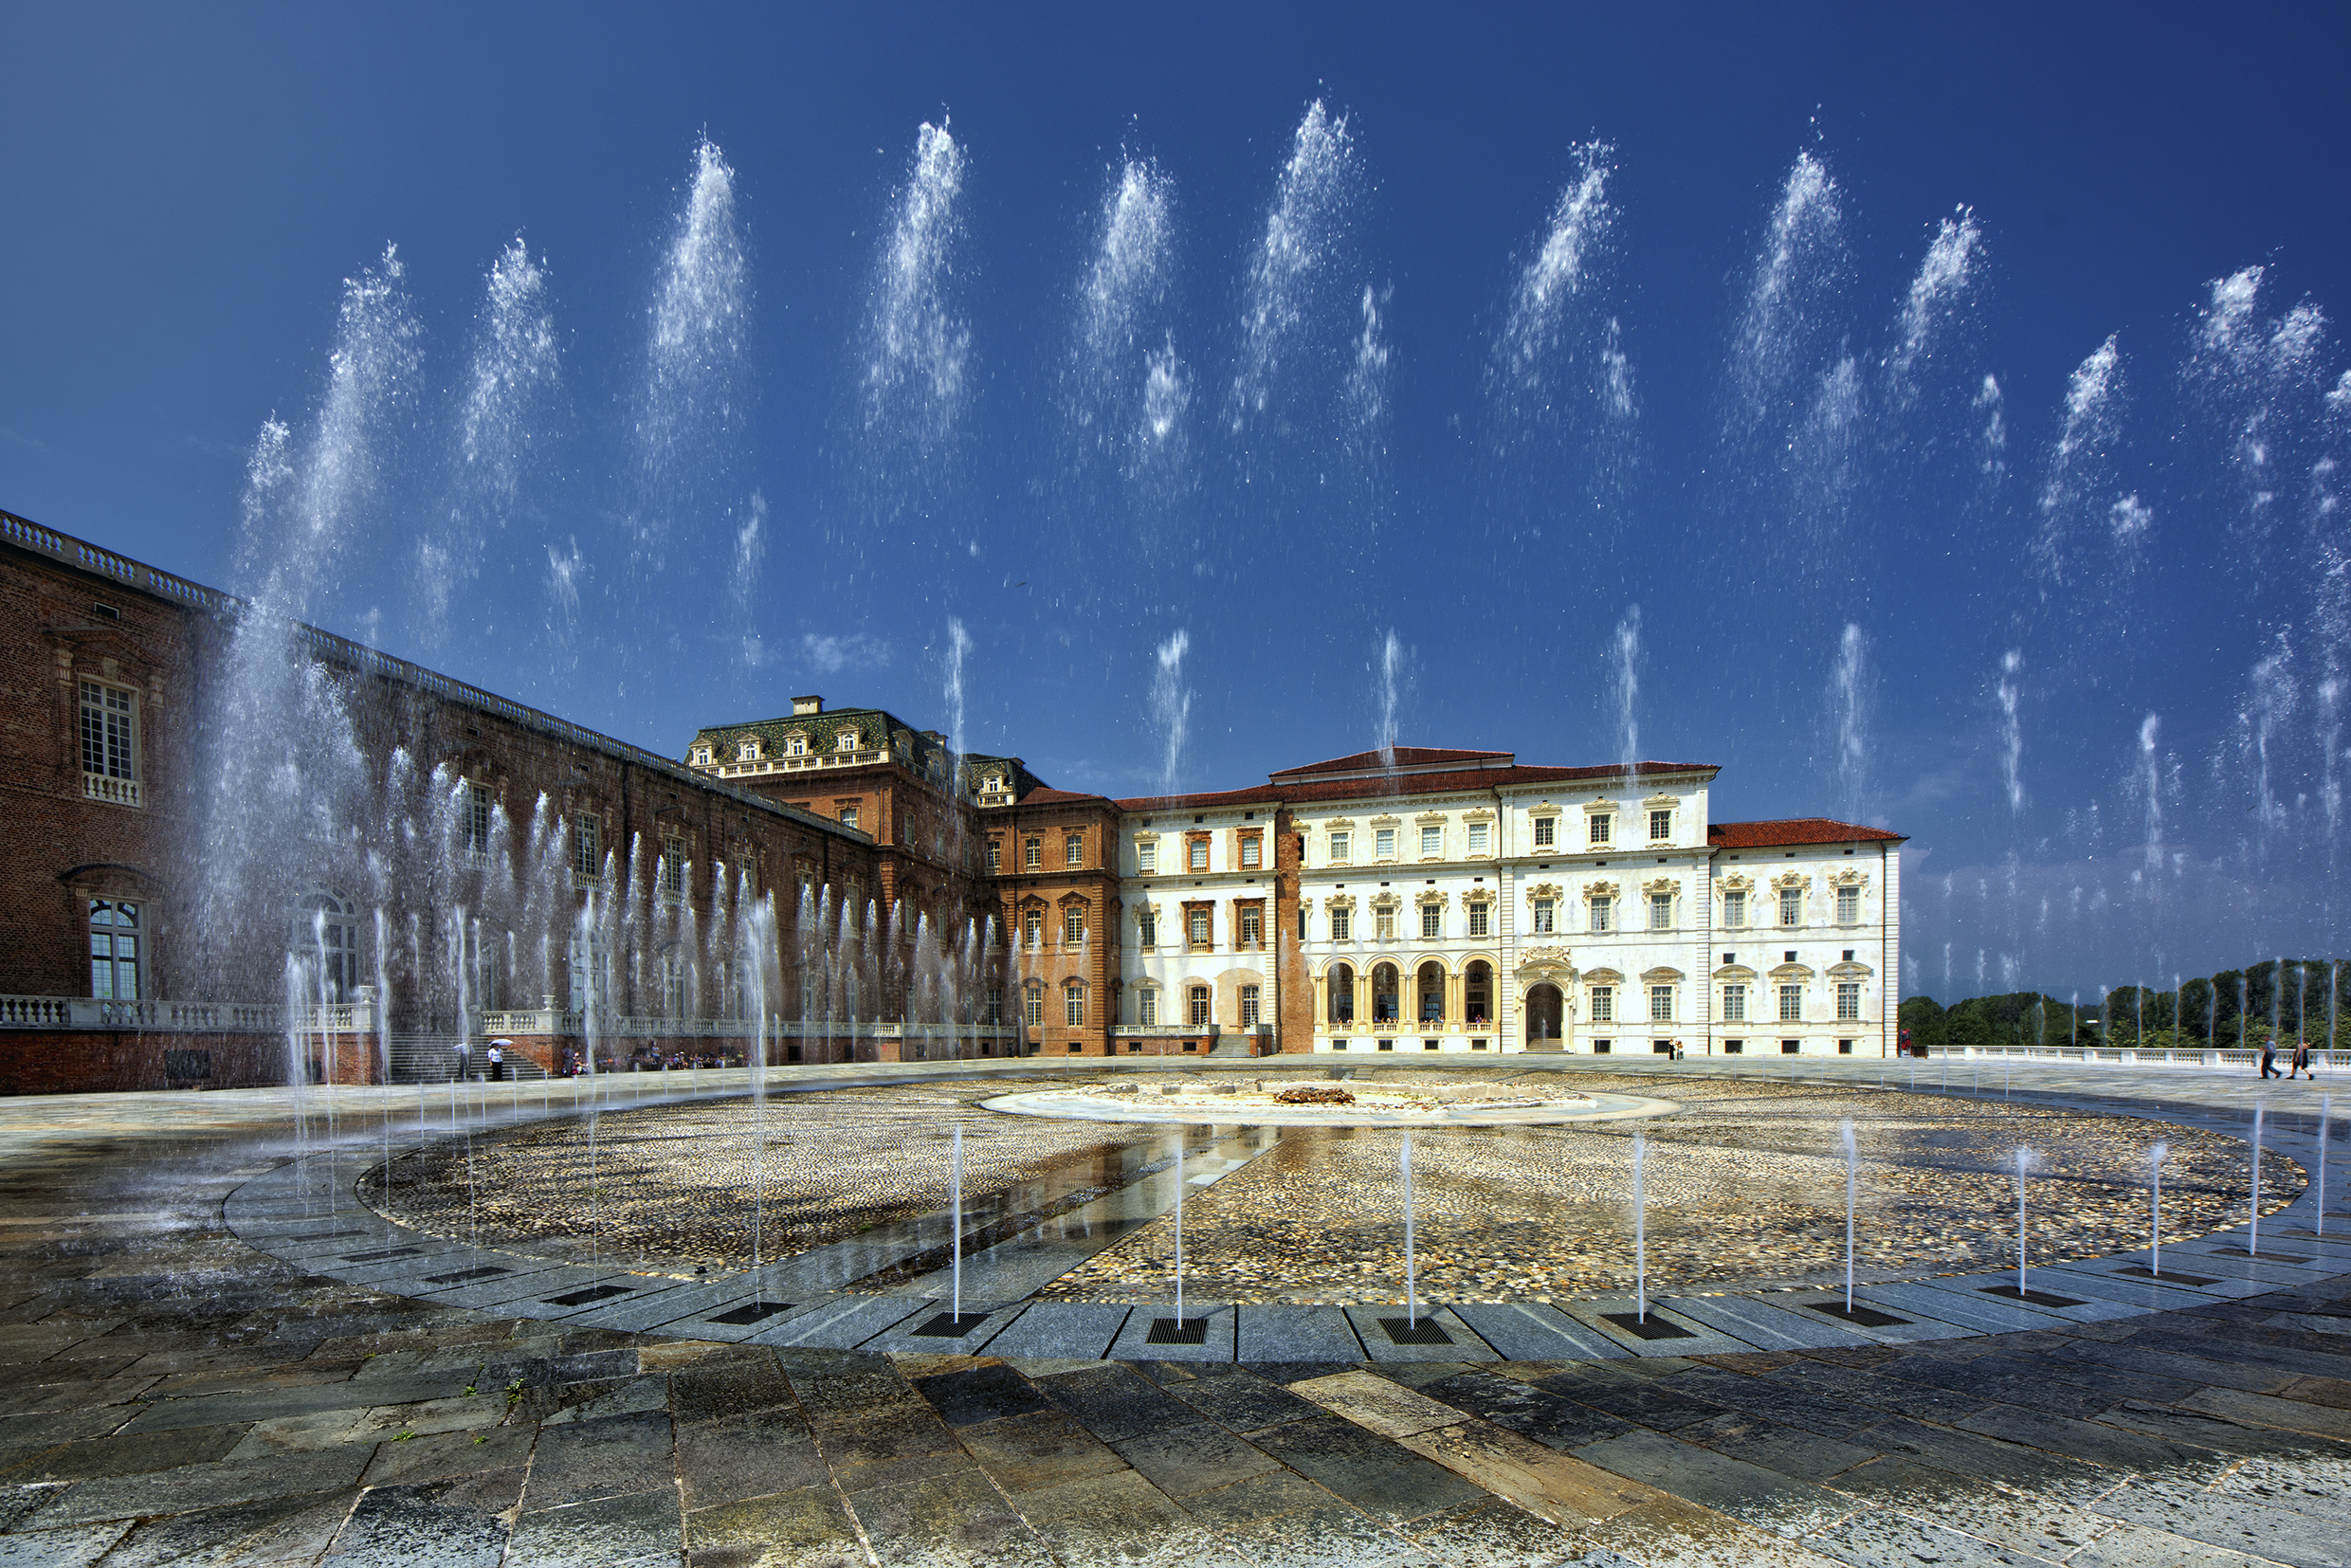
column 801, row 705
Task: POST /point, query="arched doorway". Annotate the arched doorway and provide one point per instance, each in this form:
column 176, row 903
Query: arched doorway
column 1430, row 982
column 1340, row 980
column 1384, row 980
column 1477, row 994
column 1544, row 1009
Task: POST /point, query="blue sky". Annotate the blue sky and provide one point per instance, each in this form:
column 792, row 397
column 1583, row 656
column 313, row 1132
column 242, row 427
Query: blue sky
column 2091, row 660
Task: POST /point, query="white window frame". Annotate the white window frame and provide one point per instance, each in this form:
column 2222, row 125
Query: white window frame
column 1383, row 843
column 1480, row 918
column 1342, row 925
column 1603, row 1004
column 108, row 969
column 1480, row 836
column 1848, row 905
column 1201, row 1005
column 1250, row 996
column 1735, row 1002
column 1601, row 828
column 1432, row 843
column 1546, row 832
column 1073, row 849
column 1660, row 826
column 1661, row 911
column 1735, row 910
column 1200, row 929
column 1848, row 1002
column 1546, row 919
column 1147, row 855
column 1339, row 846
column 1431, row 922
column 1603, row 911
column 1792, row 1002
column 1660, row 1004
column 1147, row 1006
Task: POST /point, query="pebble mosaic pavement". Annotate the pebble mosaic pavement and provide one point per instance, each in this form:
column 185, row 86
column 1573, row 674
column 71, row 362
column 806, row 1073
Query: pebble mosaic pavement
column 180, row 1394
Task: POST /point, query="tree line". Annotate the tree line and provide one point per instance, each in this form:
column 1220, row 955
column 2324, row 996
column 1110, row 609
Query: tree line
column 2290, row 998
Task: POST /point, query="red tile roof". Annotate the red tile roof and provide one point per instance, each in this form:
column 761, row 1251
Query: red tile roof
column 1402, row 756
column 1309, row 790
column 1798, row 830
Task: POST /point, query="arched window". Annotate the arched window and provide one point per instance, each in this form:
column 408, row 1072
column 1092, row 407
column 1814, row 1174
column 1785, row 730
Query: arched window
column 326, row 935
column 1431, row 982
column 113, row 949
column 1340, row 982
column 1478, row 993
column 1384, row 994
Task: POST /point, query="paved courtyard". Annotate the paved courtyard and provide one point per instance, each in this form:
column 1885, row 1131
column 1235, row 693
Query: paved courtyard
column 190, row 1383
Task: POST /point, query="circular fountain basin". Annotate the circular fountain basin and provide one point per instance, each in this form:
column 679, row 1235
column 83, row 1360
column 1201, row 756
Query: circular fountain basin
column 1280, row 1103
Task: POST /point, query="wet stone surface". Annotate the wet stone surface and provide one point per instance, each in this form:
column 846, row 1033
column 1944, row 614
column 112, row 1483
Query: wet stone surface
column 172, row 1396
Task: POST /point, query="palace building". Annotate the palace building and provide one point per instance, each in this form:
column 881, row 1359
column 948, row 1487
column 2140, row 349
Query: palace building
column 835, row 884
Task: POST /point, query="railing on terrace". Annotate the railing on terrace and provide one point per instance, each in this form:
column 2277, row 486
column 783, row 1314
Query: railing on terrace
column 2129, row 1056
column 166, row 1017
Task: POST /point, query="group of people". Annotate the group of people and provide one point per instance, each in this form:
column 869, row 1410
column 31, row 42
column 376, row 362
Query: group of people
column 2300, row 1062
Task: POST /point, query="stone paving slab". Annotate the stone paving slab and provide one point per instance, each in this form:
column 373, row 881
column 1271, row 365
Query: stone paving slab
column 1080, row 1330
column 1296, row 1334
column 1534, row 1331
column 835, row 1323
column 1767, row 1325
column 1696, row 1339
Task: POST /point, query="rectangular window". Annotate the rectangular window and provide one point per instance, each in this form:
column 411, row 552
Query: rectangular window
column 1147, row 854
column 473, row 808
column 1546, row 916
column 1790, row 906
column 1383, row 843
column 1431, row 920
column 1198, row 1004
column 113, row 949
column 1660, row 1004
column 1601, row 828
column 1603, row 1004
column 1602, row 910
column 1338, row 846
column 1848, row 999
column 1073, row 926
column 1342, row 923
column 109, row 744
column 1480, row 918
column 1147, row 1008
column 1249, row 1006
column 1790, row 1048
column 1196, row 928
column 1848, row 906
column 1252, row 851
column 996, row 1006
column 587, row 849
column 1383, row 924
column 1734, row 1004
column 848, row 817
column 1073, row 1006
column 1478, row 837
column 1073, row 850
column 996, row 856
column 1033, row 856
column 1660, row 826
column 1431, row 842
column 1032, row 1005
column 1735, row 910
column 1546, row 832
column 1197, row 853
column 1791, row 1004
column 1301, row 923
column 673, row 885
column 1661, row 911
column 1733, row 1047
column 1147, row 928
column 1033, row 927
column 1253, row 927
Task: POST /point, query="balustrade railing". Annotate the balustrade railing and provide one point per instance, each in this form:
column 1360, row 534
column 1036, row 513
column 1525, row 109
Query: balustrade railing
column 168, row 1017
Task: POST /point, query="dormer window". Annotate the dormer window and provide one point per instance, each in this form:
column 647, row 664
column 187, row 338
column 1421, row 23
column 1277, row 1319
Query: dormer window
column 701, row 757
column 796, row 745
column 747, row 750
column 846, row 742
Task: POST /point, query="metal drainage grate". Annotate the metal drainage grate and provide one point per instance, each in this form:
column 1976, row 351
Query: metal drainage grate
column 2038, row 1297
column 593, row 1293
column 481, row 1273
column 750, row 1312
column 1405, row 1331
column 1868, row 1316
column 380, row 1257
column 1653, row 1327
column 325, row 1235
column 2141, row 1271
column 1169, row 1331
column 948, row 1327
column 2265, row 1257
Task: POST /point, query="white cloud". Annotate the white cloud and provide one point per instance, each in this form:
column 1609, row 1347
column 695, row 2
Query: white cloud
column 825, row 654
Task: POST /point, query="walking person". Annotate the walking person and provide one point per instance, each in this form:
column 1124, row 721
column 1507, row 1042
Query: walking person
column 2301, row 1062
column 497, row 1059
column 2268, row 1058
